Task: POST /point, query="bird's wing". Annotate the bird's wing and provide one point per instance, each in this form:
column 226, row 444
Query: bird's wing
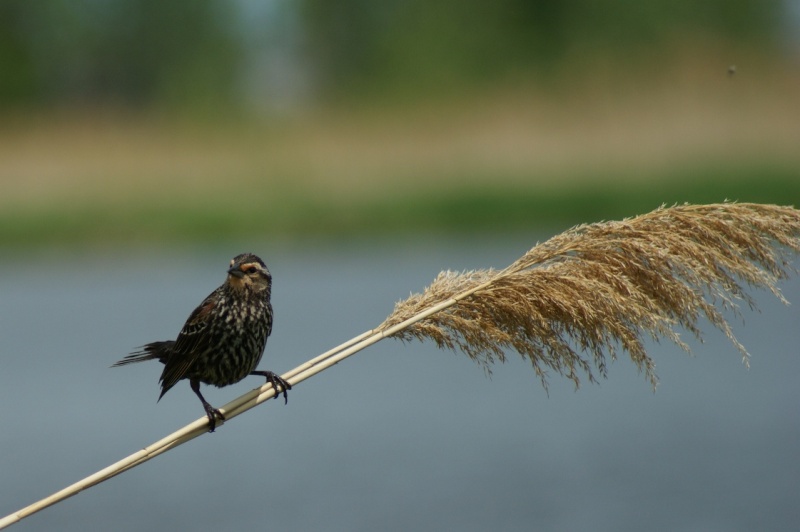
column 191, row 342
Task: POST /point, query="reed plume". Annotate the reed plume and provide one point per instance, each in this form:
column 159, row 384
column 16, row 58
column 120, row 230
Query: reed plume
column 569, row 305
column 574, row 302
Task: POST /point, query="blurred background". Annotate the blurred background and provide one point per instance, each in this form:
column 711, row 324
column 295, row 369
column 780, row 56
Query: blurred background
column 361, row 147
column 170, row 120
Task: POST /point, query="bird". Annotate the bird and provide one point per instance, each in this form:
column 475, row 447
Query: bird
column 223, row 339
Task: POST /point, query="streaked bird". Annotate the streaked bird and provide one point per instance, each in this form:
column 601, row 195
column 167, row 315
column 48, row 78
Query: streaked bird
column 224, row 338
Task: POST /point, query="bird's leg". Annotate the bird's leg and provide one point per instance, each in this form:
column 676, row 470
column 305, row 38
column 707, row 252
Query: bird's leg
column 277, row 382
column 212, row 413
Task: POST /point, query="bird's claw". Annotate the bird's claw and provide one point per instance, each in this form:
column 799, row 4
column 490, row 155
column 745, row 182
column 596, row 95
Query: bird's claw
column 213, row 415
column 280, row 384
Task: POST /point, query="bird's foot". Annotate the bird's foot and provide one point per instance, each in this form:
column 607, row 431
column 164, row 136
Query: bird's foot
column 214, row 415
column 277, row 382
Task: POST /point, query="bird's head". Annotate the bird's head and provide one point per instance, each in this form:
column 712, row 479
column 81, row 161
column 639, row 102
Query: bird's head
column 248, row 272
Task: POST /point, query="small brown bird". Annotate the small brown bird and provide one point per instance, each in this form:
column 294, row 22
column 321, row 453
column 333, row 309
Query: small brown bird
column 223, row 339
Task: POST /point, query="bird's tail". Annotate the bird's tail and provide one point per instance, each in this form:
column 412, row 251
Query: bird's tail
column 155, row 351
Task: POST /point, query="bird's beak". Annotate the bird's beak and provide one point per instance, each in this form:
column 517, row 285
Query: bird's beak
column 235, row 271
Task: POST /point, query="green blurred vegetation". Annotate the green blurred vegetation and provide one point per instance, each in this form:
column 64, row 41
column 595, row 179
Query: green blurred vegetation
column 400, row 46
column 138, row 53
column 178, row 53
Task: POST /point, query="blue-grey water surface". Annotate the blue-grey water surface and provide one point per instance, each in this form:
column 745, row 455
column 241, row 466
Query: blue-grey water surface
column 399, row 437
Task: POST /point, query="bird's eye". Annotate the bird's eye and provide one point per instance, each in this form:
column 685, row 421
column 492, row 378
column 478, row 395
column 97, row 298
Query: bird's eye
column 252, row 269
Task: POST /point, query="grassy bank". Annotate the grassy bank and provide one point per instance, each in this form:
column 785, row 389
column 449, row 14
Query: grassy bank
column 467, row 209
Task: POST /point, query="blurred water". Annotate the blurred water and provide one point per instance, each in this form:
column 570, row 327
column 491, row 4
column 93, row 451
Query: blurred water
column 400, row 437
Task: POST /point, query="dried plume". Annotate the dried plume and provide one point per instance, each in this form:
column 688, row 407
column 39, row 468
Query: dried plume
column 576, row 301
column 569, row 304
